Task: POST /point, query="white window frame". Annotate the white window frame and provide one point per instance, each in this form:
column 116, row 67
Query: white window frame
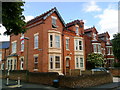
column 36, row 40
column 77, row 45
column 78, row 62
column 67, row 43
column 77, row 30
column 54, row 61
column 57, row 42
column 21, row 63
column 54, row 20
column 14, row 47
column 36, row 62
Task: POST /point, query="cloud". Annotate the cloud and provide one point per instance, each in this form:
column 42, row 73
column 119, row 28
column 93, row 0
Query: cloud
column 108, row 21
column 91, row 7
column 27, row 18
column 3, row 37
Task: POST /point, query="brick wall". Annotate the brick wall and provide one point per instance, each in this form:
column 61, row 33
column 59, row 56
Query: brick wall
column 84, row 80
column 115, row 72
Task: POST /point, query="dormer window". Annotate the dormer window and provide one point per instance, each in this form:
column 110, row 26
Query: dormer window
column 77, row 32
column 54, row 22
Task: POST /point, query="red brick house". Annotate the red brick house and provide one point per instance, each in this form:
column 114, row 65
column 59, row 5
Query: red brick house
column 4, row 52
column 73, row 51
column 107, row 47
column 99, row 43
column 44, row 47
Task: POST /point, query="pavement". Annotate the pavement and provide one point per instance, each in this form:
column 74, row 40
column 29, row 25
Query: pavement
column 23, row 86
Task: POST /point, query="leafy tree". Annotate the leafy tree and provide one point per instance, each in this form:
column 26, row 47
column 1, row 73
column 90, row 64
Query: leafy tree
column 95, row 58
column 12, row 17
column 116, row 46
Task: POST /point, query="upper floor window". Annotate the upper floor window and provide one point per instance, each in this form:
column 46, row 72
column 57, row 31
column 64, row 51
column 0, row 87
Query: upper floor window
column 51, row 40
column 51, row 62
column 77, row 30
column 57, row 41
column 22, row 42
column 67, row 43
column 36, row 41
column 14, row 47
column 94, row 48
column 99, row 48
column 54, row 21
column 78, row 44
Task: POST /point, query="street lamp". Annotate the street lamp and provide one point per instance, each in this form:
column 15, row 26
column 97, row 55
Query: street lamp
column 27, row 52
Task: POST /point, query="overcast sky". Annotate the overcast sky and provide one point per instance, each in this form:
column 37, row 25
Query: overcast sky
column 102, row 15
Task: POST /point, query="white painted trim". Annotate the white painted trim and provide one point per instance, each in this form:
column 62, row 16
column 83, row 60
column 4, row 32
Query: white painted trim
column 36, row 34
column 67, row 57
column 54, row 17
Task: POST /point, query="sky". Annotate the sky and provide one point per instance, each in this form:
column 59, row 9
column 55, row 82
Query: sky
column 102, row 15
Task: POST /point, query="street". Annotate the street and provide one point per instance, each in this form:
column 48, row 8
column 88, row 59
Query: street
column 13, row 84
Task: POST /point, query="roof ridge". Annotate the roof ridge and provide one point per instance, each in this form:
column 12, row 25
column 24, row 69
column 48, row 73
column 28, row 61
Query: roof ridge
column 41, row 14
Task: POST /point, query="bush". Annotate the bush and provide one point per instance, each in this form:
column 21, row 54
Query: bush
column 117, row 64
column 90, row 65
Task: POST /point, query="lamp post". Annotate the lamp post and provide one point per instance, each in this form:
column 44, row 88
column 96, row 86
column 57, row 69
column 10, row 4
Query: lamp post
column 27, row 52
column 27, row 57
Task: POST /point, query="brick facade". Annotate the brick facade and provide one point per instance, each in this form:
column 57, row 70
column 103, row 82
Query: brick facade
column 50, row 45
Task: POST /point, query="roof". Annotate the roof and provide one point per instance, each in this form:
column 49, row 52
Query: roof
column 4, row 44
column 45, row 15
column 90, row 30
column 74, row 22
column 103, row 34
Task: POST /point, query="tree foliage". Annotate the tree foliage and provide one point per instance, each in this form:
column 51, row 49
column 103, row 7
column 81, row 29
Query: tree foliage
column 12, row 17
column 96, row 58
column 116, row 46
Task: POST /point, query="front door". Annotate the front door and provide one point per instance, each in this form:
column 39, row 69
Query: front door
column 67, row 66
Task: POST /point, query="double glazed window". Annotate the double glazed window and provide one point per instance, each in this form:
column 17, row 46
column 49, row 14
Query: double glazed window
column 54, row 62
column 54, row 22
column 36, row 41
column 78, row 44
column 79, row 62
column 14, row 47
column 97, row 48
column 54, row 41
column 35, row 62
column 67, row 43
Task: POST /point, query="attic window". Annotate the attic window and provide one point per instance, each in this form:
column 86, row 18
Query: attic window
column 54, row 22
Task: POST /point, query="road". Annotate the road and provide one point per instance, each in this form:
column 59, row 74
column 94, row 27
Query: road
column 112, row 86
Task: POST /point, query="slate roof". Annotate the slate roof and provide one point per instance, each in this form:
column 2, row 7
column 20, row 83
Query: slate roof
column 45, row 15
column 103, row 34
column 74, row 22
column 90, row 30
column 4, row 44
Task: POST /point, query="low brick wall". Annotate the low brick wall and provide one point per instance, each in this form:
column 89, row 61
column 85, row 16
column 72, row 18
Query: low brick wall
column 115, row 71
column 43, row 78
column 85, row 80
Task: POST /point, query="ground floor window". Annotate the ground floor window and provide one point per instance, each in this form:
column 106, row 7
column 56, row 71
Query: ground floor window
column 21, row 63
column 54, row 62
column 79, row 62
column 35, row 62
column 11, row 64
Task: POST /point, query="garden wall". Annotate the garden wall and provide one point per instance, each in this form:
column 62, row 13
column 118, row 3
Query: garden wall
column 85, row 80
column 115, row 71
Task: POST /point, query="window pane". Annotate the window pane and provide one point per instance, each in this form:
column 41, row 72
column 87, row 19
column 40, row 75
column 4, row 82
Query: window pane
column 51, row 40
column 67, row 43
column 57, row 41
column 57, row 62
column 77, row 30
column 51, row 62
column 53, row 21
column 36, row 62
column 76, row 44
column 81, row 62
column 77, row 64
column 36, row 41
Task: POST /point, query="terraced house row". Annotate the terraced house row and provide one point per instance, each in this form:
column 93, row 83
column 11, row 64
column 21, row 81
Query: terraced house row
column 50, row 45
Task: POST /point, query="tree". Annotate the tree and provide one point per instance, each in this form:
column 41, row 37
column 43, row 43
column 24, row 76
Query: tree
column 116, row 46
column 96, row 59
column 12, row 17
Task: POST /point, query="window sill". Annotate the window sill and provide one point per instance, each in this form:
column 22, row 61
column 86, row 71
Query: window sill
column 35, row 69
column 36, row 48
column 68, row 49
